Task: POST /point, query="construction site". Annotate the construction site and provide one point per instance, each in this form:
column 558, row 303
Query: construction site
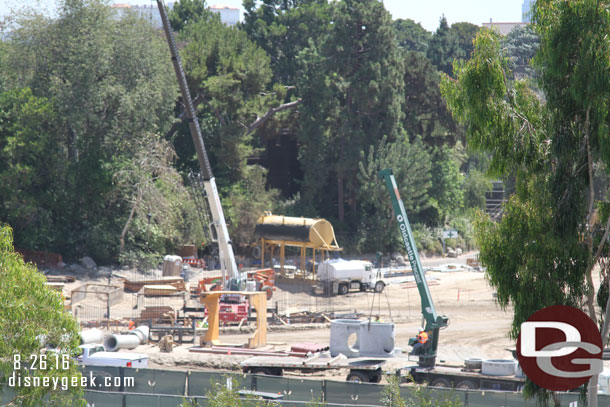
column 295, row 315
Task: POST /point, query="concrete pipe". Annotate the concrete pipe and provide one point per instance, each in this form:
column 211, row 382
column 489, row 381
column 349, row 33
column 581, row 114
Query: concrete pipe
column 113, row 343
column 142, row 333
column 345, row 337
column 91, row 336
column 499, row 367
column 377, row 339
column 130, row 340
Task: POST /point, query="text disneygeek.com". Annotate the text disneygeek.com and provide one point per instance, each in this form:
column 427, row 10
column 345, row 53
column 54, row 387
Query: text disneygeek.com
column 20, row 378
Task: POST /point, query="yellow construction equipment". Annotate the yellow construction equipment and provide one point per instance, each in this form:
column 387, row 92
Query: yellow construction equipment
column 305, row 233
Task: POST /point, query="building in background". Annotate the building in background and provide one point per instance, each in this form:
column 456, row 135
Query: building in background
column 228, row 15
column 526, row 10
column 502, row 28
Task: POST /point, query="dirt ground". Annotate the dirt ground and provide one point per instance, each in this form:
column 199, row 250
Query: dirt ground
column 478, row 328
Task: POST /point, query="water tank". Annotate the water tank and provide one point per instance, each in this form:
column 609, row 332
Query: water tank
column 318, row 233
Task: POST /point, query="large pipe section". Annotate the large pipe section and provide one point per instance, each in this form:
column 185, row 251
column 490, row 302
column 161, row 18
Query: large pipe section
column 91, row 336
column 130, row 340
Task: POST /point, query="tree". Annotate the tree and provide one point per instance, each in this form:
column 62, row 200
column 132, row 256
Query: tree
column 425, row 110
column 230, row 76
column 548, row 241
column 357, row 72
column 109, row 84
column 33, row 318
column 465, row 33
column 520, row 45
column 410, row 163
column 282, row 28
column 447, row 182
column 31, row 167
column 411, row 36
column 444, row 47
column 187, row 12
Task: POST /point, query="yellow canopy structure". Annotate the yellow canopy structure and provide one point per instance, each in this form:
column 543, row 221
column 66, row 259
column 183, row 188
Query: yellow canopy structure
column 305, row 233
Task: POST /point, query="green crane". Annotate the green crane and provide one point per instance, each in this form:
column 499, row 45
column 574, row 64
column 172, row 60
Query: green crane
column 434, row 322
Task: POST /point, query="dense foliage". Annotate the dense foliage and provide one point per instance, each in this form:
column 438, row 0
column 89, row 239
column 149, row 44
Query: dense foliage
column 556, row 225
column 33, row 318
column 299, row 106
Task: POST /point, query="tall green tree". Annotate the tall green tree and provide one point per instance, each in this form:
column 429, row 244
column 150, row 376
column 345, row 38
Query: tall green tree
column 411, row 36
column 548, row 240
column 108, row 84
column 447, row 182
column 410, row 163
column 521, row 45
column 358, row 73
column 425, row 110
column 32, row 167
column 187, row 12
column 465, row 33
column 230, row 77
column 283, row 29
column 444, row 47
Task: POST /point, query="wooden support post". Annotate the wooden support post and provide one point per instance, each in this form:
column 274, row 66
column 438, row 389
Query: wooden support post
column 259, row 301
column 262, row 253
column 282, row 258
column 210, row 301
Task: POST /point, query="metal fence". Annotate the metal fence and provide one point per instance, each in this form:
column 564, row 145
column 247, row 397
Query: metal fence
column 167, row 388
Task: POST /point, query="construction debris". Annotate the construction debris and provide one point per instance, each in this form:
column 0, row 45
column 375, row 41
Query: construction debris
column 166, row 344
column 135, row 286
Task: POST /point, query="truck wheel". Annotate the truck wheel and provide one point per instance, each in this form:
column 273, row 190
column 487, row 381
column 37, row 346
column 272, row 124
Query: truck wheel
column 379, row 286
column 440, row 382
column 261, row 370
column 466, row 385
column 343, row 289
column 357, row 377
column 374, row 377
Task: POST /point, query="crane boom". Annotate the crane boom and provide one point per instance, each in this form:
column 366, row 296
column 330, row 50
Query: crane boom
column 434, row 322
column 225, row 249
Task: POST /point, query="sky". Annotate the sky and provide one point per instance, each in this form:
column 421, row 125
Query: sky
column 426, row 12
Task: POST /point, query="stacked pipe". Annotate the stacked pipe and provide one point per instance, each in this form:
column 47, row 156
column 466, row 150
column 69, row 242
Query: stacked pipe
column 91, row 336
column 130, row 340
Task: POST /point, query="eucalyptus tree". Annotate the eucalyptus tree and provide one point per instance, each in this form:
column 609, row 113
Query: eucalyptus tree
column 555, row 227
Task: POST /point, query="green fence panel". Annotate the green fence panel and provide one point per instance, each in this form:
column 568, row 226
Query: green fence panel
column 102, row 378
column 493, row 398
column 152, row 400
column 290, row 388
column 200, row 383
column 157, row 381
column 353, row 393
column 103, row 399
